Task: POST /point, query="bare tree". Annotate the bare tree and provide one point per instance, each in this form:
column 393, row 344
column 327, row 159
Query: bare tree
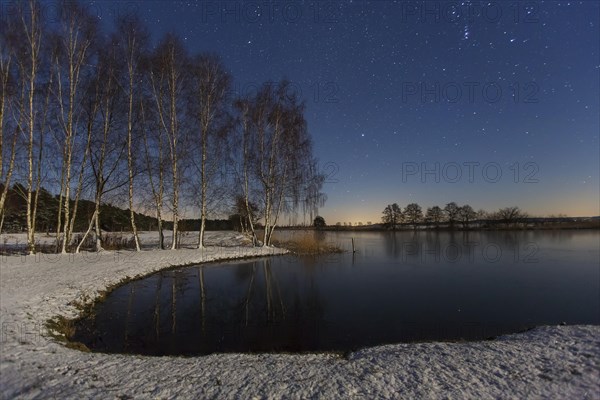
column 70, row 223
column 313, row 198
column 466, row 215
column 298, row 181
column 164, row 101
column 28, row 61
column 482, row 217
column 167, row 82
column 71, row 55
column 392, row 216
column 246, row 219
column 482, row 214
column 284, row 153
column 211, row 84
column 277, row 166
column 267, row 131
column 106, row 147
column 434, row 215
column 133, row 38
column 47, row 91
column 510, row 215
column 451, row 211
column 155, row 167
column 7, row 92
column 246, row 159
column 413, row 214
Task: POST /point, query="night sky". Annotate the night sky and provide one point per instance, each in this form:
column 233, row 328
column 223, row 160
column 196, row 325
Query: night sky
column 487, row 103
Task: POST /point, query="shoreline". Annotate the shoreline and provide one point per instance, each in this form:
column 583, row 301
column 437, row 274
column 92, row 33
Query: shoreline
column 370, row 228
column 547, row 361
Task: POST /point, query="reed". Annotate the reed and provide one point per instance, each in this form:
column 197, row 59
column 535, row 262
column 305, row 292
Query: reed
column 307, row 244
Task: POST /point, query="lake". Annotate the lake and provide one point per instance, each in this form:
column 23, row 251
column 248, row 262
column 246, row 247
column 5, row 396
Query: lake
column 398, row 287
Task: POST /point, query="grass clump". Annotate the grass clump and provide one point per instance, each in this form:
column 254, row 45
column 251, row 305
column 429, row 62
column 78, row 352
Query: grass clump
column 61, row 328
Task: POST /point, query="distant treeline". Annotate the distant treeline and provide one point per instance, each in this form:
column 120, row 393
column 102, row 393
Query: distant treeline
column 453, row 216
column 114, row 219
column 525, row 223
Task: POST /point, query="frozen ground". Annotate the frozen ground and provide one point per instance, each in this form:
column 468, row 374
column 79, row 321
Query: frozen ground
column 555, row 362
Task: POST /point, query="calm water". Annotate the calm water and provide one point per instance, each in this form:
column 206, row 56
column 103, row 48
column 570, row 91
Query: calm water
column 397, row 288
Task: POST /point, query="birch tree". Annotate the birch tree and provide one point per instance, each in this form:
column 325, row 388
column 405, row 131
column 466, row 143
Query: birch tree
column 284, row 164
column 154, row 154
column 297, row 180
column 167, row 81
column 77, row 30
column 209, row 102
column 133, row 39
column 7, row 93
column 244, row 155
column 265, row 137
column 27, row 51
column 107, row 148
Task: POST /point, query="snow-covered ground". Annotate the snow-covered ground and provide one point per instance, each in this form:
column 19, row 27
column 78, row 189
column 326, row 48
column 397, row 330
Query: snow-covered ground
column 148, row 240
column 555, row 362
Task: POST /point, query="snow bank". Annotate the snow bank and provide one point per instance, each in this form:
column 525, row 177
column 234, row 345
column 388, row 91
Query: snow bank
column 559, row 362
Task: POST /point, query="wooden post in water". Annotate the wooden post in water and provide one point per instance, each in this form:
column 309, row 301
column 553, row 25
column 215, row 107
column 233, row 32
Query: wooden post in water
column 353, row 248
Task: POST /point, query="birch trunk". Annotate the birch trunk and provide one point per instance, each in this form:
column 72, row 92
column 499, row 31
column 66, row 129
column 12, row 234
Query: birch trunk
column 279, row 204
column 78, row 190
column 204, row 139
column 174, row 149
column 75, row 42
column 87, row 232
column 245, row 167
column 9, row 173
column 33, row 34
column 38, row 184
column 270, row 179
column 131, row 76
column 130, row 172
column 157, row 192
column 5, row 63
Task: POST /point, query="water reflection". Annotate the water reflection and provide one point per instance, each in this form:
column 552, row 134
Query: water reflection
column 460, row 247
column 399, row 286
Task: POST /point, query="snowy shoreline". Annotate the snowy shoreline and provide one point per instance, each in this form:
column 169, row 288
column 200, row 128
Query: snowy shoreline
column 548, row 361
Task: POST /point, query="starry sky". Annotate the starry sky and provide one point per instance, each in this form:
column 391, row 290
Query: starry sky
column 487, row 103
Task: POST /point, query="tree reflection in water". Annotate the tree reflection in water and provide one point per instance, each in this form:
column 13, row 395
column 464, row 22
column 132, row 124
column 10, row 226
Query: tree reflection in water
column 399, row 286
